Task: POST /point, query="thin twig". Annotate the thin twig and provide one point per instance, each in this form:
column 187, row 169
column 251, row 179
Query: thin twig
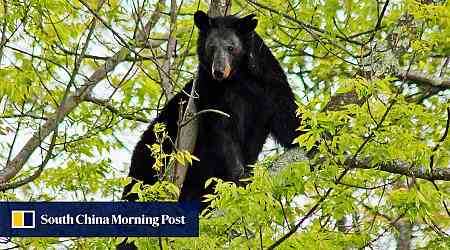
column 196, row 115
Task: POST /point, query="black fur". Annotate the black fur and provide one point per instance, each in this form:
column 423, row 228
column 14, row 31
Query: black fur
column 256, row 95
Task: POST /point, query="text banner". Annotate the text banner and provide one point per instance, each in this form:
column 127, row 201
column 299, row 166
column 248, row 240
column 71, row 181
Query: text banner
column 99, row 219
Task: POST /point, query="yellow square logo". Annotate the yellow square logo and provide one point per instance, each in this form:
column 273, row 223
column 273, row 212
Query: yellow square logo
column 22, row 219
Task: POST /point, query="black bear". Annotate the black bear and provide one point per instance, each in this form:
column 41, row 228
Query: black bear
column 238, row 75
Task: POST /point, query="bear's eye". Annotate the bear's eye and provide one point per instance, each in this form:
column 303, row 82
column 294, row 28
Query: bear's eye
column 230, row 48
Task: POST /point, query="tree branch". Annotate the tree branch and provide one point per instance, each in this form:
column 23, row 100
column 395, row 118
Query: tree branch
column 66, row 107
column 378, row 25
column 3, row 32
column 18, row 183
column 196, row 115
column 307, row 26
column 104, row 58
column 419, row 78
column 404, row 168
column 219, row 8
column 68, row 103
column 114, row 110
column 164, row 72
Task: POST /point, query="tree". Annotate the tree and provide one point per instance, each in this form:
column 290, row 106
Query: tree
column 81, row 79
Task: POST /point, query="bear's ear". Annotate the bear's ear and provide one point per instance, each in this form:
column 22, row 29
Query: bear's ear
column 201, row 20
column 247, row 24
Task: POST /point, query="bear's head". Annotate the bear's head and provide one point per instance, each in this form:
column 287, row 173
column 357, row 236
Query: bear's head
column 223, row 43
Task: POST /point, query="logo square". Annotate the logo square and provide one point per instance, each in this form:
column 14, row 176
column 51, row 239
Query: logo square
column 22, row 219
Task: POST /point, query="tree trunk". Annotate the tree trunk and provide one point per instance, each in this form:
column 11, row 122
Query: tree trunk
column 187, row 135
